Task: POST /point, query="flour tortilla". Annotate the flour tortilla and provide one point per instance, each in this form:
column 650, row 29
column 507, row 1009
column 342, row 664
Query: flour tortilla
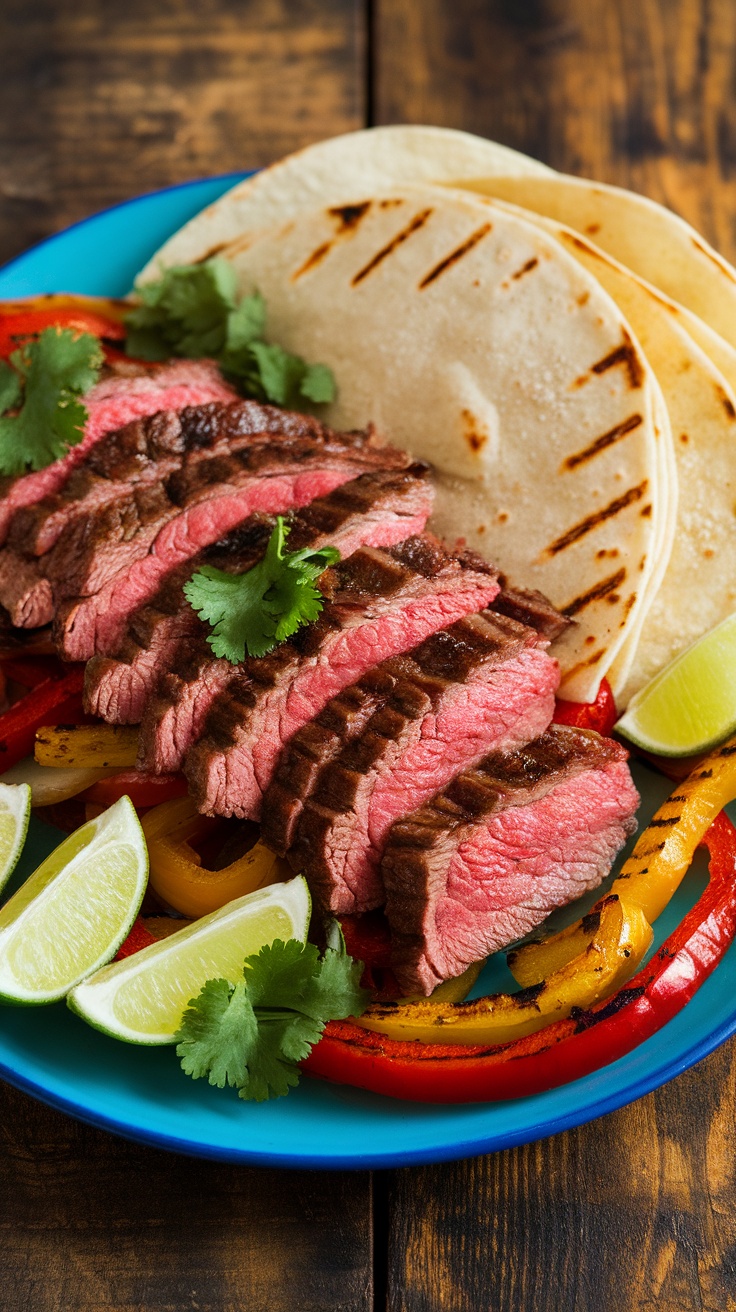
column 474, row 339
column 650, row 240
column 357, row 163
column 702, row 409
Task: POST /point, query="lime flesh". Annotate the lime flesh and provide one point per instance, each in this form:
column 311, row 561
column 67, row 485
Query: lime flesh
column 690, row 706
column 143, row 998
column 73, row 913
column 15, row 814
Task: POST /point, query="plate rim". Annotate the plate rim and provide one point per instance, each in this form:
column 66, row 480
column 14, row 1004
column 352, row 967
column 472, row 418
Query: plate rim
column 449, row 1150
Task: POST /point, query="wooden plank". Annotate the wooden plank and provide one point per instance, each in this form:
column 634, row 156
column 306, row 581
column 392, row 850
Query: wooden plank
column 637, row 1210
column 99, row 102
column 638, row 94
column 92, row 1223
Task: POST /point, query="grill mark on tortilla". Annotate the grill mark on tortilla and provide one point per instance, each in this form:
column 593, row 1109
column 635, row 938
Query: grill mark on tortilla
column 725, row 401
column 596, row 593
column 413, row 226
column 348, row 217
column 455, row 255
column 211, row 253
column 525, row 268
column 627, row 355
column 586, row 525
column 584, row 665
column 605, row 440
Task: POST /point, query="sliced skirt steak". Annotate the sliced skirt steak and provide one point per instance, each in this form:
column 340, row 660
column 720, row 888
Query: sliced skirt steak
column 128, row 392
column 116, row 559
column 126, row 468
column 489, row 857
column 376, row 509
column 380, row 603
column 484, row 684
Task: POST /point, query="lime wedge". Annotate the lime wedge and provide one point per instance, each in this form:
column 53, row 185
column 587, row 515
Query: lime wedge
column 72, row 914
column 143, row 998
column 15, row 814
column 690, row 706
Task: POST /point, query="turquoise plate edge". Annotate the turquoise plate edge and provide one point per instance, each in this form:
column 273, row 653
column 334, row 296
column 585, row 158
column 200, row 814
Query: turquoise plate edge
column 139, row 1093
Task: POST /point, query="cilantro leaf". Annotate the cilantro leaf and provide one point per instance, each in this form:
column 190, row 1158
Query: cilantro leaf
column 193, row 310
column 256, row 610
column 11, row 389
column 251, row 1035
column 51, row 373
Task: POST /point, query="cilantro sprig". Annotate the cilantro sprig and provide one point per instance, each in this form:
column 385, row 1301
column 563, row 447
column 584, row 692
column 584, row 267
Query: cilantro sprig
column 251, row 1035
column 194, row 310
column 41, row 416
column 256, row 610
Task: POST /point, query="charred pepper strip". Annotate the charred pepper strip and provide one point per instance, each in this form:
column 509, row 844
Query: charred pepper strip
column 663, row 854
column 618, row 945
column 19, row 724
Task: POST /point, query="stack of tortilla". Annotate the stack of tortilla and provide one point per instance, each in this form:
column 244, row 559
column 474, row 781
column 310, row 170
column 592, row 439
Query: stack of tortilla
column 563, row 352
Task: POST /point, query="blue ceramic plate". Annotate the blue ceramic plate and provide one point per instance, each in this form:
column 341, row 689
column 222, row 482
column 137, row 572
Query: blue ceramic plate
column 140, row 1092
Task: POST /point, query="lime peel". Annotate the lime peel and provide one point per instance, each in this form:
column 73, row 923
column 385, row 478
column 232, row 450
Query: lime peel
column 143, row 998
column 690, row 706
column 75, row 910
column 15, row 815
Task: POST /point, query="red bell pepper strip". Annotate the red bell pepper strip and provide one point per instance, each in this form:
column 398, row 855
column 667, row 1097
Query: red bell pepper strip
column 20, row 321
column 29, row 671
column 142, row 788
column 600, row 715
column 139, row 937
column 59, row 698
column 564, row 1051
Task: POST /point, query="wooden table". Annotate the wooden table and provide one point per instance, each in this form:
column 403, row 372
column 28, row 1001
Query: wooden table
column 101, row 101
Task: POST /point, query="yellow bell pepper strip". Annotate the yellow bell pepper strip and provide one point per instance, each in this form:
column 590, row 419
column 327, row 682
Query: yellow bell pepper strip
column 177, row 874
column 663, row 854
column 538, row 959
column 616, row 949
column 94, row 746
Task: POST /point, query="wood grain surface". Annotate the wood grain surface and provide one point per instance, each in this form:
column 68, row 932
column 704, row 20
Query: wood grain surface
column 635, row 1212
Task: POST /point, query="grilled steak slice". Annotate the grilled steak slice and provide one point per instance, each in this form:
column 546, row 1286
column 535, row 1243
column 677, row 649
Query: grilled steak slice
column 483, row 684
column 380, row 603
column 490, row 856
column 372, row 510
column 140, row 455
column 116, row 559
column 128, row 392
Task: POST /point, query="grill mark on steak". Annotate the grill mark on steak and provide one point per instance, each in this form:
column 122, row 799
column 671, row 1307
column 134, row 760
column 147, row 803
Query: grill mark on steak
column 116, row 560
column 449, row 657
column 126, row 391
column 484, row 682
column 378, row 604
column 488, row 857
column 377, row 509
column 141, row 454
column 146, row 450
